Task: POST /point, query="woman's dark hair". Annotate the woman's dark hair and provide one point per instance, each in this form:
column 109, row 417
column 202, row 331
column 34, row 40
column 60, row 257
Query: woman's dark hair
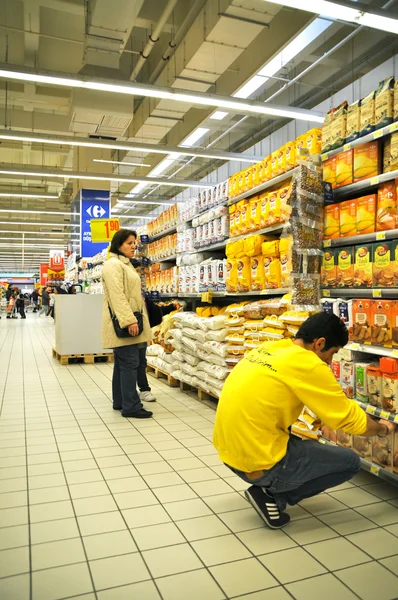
column 119, row 238
column 324, row 325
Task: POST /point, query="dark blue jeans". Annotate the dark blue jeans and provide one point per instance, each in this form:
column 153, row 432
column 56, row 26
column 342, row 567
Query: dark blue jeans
column 307, row 469
column 124, row 381
column 142, row 379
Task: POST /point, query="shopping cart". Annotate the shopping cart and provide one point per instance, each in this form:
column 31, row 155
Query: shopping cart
column 12, row 309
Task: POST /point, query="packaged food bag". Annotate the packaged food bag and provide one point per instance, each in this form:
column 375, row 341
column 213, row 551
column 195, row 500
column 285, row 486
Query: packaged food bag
column 353, row 121
column 387, row 212
column 368, row 114
column 232, row 275
column 244, row 274
column 384, row 103
column 257, row 273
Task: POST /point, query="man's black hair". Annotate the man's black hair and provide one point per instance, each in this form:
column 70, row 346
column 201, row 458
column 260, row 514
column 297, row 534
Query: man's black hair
column 119, row 238
column 324, row 325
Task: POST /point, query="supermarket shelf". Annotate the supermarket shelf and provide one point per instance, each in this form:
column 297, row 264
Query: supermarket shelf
column 275, row 292
column 373, row 468
column 360, row 293
column 167, row 259
column 362, row 140
column 223, row 203
column 367, row 238
column 366, row 184
column 272, row 229
column 161, row 234
column 379, row 350
column 378, row 412
column 264, row 186
column 216, row 246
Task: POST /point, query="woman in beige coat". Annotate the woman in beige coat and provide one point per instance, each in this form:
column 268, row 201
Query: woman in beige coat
column 123, row 295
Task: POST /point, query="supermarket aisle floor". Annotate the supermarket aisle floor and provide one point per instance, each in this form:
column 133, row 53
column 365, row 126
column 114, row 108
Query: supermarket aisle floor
column 96, row 506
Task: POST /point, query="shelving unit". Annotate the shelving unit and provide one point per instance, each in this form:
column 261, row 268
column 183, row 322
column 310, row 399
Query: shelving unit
column 272, row 229
column 161, row 234
column 171, row 258
column 360, row 292
column 375, row 135
column 365, row 184
column 378, row 412
column 264, row 186
column 217, row 246
column 367, row 238
column 276, row 292
column 369, row 349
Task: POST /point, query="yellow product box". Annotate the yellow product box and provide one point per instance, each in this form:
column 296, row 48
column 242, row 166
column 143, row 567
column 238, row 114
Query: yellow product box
column 257, row 273
column 366, row 214
column 285, row 253
column 329, row 171
column 353, row 121
column 344, row 175
column 264, row 209
column 282, row 160
column 255, row 212
column 244, row 274
column 313, row 141
column 274, row 215
column 283, row 196
column 248, row 179
column 348, row 218
column 368, row 114
column 270, row 248
column 338, row 129
column 232, row 220
column 244, row 213
column 275, row 163
column 272, row 272
column 266, row 169
column 387, row 154
column 367, row 161
column 256, row 174
column 253, row 244
column 332, row 221
column 384, row 103
column 395, row 111
column 290, row 153
column 231, row 275
column 394, row 151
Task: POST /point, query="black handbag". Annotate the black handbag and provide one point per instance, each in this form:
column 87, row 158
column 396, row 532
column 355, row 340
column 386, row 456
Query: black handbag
column 123, row 332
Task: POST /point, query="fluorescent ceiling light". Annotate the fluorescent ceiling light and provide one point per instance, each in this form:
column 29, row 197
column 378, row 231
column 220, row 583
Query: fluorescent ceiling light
column 64, row 233
column 31, row 223
column 250, row 87
column 219, row 115
column 42, row 138
column 36, row 212
column 120, row 162
column 22, row 195
column 94, row 177
column 194, row 137
column 335, row 10
column 135, row 217
column 162, row 167
column 28, row 239
column 119, row 201
column 162, row 93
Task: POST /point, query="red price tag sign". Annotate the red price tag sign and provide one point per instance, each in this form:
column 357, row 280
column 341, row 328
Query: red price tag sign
column 103, row 230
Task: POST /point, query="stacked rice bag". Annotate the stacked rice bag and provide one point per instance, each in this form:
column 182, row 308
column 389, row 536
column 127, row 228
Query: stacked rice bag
column 307, row 426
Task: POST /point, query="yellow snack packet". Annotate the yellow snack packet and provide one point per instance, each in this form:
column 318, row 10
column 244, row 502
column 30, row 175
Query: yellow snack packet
column 253, row 245
column 232, row 275
column 255, row 213
column 244, row 274
column 257, row 273
column 275, row 163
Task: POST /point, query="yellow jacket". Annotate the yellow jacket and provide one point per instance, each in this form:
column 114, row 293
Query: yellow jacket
column 264, row 395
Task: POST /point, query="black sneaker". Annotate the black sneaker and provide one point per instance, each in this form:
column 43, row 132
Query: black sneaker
column 140, row 414
column 117, row 407
column 266, row 507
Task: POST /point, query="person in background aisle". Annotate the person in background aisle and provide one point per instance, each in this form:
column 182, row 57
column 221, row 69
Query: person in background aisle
column 263, row 397
column 9, row 292
column 20, row 303
column 51, row 303
column 35, row 299
column 45, row 301
column 122, row 298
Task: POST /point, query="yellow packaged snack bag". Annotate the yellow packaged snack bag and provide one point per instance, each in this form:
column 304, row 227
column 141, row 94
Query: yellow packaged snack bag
column 395, row 111
column 253, row 244
column 264, row 209
column 232, row 186
column 384, row 103
column 285, row 209
column 275, row 163
column 244, row 274
column 285, row 253
column 244, row 212
column 239, row 248
column 301, row 148
column 290, row 154
column 256, row 174
column 274, row 215
column 353, row 121
column 241, row 183
column 271, row 248
column 248, row 224
column 266, row 171
column 257, row 273
column 255, row 213
column 232, row 220
column 313, row 140
column 282, row 160
column 338, row 127
column 231, row 249
column 368, row 114
column 272, row 272
column 232, row 275
column 248, row 179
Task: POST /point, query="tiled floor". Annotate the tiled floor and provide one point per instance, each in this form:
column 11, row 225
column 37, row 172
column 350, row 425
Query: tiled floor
column 93, row 506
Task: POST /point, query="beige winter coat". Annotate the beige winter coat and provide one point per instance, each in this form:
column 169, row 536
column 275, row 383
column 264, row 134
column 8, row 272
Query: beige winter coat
column 122, row 290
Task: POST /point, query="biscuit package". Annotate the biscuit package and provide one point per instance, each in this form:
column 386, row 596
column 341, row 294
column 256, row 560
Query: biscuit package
column 384, row 103
column 382, row 451
column 367, row 161
column 329, row 268
column 348, row 218
column 387, row 215
column 363, row 271
column 362, row 317
column 345, row 267
column 373, row 375
column 366, row 214
column 383, row 264
column 381, row 319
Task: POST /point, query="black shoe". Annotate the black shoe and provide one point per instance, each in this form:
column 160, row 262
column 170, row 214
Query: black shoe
column 266, row 507
column 117, row 407
column 140, row 414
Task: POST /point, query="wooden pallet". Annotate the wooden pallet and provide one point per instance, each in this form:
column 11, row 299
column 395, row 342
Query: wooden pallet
column 159, row 374
column 202, row 395
column 87, row 359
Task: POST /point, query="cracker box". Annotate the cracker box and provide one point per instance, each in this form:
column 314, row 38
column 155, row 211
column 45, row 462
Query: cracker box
column 367, row 161
column 345, row 267
column 344, row 439
column 394, row 323
column 332, row 221
column 362, row 446
column 347, row 378
column 338, row 129
column 366, row 214
column 373, row 375
column 361, row 381
column 383, row 264
column 387, row 155
column 329, row 268
column 387, row 214
column 329, row 171
column 381, row 323
column 363, row 270
column 382, row 451
column 394, row 152
column 390, row 391
column 344, row 168
column 348, row 218
column 361, row 320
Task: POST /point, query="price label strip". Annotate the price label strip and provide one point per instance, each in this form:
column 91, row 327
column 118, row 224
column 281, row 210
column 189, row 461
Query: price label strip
column 371, row 410
column 377, row 294
column 378, row 134
column 375, row 470
column 384, row 414
column 380, row 236
column 375, row 180
column 207, row 297
column 103, row 230
column 327, row 243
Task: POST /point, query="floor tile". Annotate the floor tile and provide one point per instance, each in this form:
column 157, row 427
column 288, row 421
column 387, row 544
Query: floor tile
column 13, row 537
column 194, row 585
column 136, row 499
column 338, row 553
column 219, row 550
column 147, row 515
column 14, row 485
column 144, row 590
column 226, row 502
column 51, row 511
column 53, row 494
column 118, row 570
column 154, row 468
column 13, row 516
column 175, row 493
column 195, row 475
column 61, row 582
column 105, row 545
column 242, row 520
column 309, row 530
column 211, row 488
column 370, row 581
column 292, row 565
column 54, row 530
column 56, row 554
column 275, row 593
column 88, row 489
column 187, row 509
column 126, row 484
column 171, row 560
column 378, row 543
column 243, row 577
column 391, row 563
column 95, row 505
column 16, row 587
column 163, row 480
column 354, row 497
column 101, row 523
column 157, row 536
column 262, row 541
column 347, row 521
column 14, row 561
column 327, row 586
column 322, row 504
column 38, row 482
column 382, row 490
column 202, row 528
column 381, row 514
